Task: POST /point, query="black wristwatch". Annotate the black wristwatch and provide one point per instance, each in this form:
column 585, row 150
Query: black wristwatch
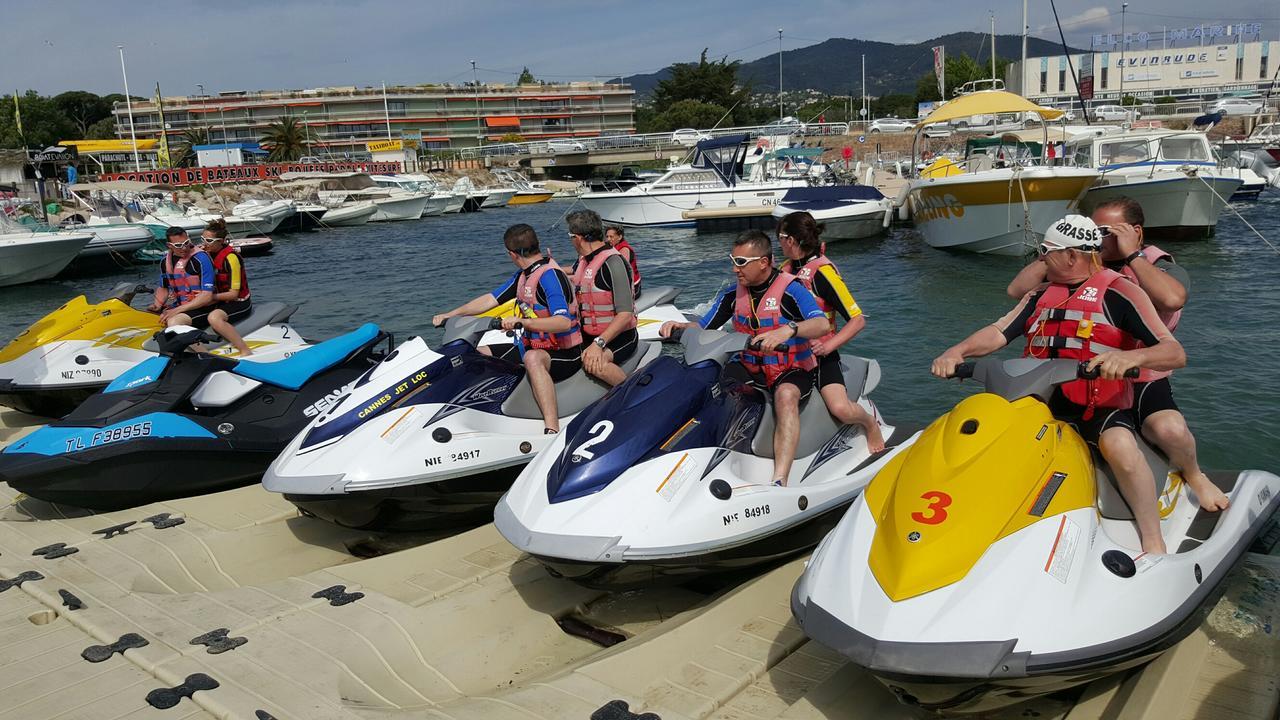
column 795, row 329
column 1136, row 254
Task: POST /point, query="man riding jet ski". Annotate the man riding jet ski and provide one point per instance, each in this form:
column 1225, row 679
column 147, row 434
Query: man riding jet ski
column 670, row 475
column 184, row 423
column 78, row 349
column 428, row 439
column 996, row 559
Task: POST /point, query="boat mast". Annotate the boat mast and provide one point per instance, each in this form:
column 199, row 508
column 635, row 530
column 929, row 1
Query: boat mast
column 779, row 74
column 128, row 103
column 1022, row 68
column 386, row 109
column 993, row 52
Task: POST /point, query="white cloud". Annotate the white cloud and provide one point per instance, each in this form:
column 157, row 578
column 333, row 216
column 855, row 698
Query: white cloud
column 1094, row 19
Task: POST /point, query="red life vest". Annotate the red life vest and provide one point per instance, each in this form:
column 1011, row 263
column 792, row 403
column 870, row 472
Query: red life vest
column 629, row 254
column 1074, row 325
column 806, row 276
column 222, row 277
column 181, row 285
column 1170, row 319
column 768, row 315
column 527, row 298
column 595, row 306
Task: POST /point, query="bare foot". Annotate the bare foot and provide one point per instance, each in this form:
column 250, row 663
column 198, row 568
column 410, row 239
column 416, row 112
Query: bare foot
column 875, row 440
column 1211, row 497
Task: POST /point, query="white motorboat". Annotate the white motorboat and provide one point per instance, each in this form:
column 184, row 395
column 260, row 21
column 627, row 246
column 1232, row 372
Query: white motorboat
column 115, row 232
column 712, row 181
column 1172, row 173
column 270, row 211
column 1002, row 197
column 27, row 256
column 847, row 212
column 475, row 196
column 348, row 214
column 498, row 197
column 526, row 193
column 342, row 187
column 437, row 200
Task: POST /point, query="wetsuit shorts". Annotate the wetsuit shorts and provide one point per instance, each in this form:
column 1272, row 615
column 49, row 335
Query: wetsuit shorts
column 623, row 346
column 802, row 379
column 236, row 311
column 829, row 370
column 564, row 363
column 1103, row 419
column 1150, row 398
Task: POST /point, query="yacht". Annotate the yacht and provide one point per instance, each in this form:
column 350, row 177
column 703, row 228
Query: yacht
column 347, row 187
column 998, row 199
column 272, row 213
column 847, row 212
column 713, row 180
column 436, row 201
column 28, row 256
column 1174, row 174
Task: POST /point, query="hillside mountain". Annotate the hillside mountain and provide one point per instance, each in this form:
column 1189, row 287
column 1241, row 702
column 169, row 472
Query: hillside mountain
column 835, row 66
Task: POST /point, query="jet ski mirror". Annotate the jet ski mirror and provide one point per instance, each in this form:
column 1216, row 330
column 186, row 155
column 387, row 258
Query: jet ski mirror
column 1026, row 377
column 175, row 339
column 716, row 346
column 124, row 292
column 467, row 329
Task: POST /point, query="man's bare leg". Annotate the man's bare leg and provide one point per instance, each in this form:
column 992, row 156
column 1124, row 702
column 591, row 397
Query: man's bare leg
column 221, row 324
column 1167, row 429
column 849, row 412
column 538, row 364
column 1120, row 448
column 786, row 433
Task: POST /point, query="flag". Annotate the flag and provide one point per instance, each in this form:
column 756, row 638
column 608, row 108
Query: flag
column 17, row 115
column 940, row 69
column 162, row 153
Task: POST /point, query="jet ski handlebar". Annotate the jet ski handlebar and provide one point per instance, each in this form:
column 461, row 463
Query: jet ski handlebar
column 1024, row 377
column 965, row 370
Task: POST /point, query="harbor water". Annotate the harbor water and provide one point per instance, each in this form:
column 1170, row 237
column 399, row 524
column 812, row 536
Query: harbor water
column 917, row 300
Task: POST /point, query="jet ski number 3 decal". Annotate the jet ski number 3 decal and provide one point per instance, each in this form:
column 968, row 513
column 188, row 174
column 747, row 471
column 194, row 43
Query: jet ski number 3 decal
column 102, row 437
column 936, row 510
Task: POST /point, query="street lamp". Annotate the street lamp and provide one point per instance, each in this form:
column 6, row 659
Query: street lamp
column 1124, row 45
column 779, row 74
column 475, row 90
column 128, row 103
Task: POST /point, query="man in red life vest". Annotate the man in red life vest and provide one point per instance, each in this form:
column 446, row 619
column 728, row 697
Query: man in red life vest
column 552, row 337
column 1165, row 282
column 602, row 291
column 1118, row 315
column 777, row 311
column 617, row 239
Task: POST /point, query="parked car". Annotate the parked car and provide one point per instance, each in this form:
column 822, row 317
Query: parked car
column 1236, row 106
column 936, row 130
column 310, row 159
column 689, row 137
column 889, row 124
column 1113, row 113
column 565, row 146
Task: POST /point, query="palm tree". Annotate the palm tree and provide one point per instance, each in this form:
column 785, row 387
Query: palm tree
column 184, row 153
column 284, row 140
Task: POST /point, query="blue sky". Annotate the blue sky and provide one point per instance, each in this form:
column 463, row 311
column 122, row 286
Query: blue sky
column 248, row 45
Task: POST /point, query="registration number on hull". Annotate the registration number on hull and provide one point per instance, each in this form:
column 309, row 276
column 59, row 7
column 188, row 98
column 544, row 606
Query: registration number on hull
column 104, row 437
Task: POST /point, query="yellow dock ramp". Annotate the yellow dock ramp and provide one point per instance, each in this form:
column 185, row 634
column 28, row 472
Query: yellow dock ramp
column 244, row 609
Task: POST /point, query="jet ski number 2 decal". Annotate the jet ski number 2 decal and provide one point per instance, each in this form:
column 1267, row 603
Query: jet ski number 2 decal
column 103, row 437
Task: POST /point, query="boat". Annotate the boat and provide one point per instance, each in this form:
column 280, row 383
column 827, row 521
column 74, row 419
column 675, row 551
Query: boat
column 253, row 246
column 476, row 197
column 498, row 196
column 273, row 213
column 436, row 201
column 999, row 199
column 116, row 235
column 526, row 193
column 846, row 212
column 349, row 214
column 28, row 256
column 995, row 560
column 183, row 423
column 81, row 347
column 668, row 478
column 1173, row 174
column 391, row 204
column 712, row 181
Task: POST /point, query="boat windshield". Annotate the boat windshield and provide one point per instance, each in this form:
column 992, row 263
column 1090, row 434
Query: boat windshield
column 1124, row 151
column 1184, row 148
column 688, row 180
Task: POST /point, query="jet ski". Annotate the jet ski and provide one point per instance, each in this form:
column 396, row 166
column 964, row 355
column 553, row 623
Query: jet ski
column 654, row 307
column 670, row 475
column 78, row 349
column 184, row 423
column 427, row 439
column 995, row 560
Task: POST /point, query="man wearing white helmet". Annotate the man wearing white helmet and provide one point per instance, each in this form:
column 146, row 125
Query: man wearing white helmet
column 1088, row 313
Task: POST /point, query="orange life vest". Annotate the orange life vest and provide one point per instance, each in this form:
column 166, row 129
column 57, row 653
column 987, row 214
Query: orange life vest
column 595, row 306
column 768, row 315
column 527, row 297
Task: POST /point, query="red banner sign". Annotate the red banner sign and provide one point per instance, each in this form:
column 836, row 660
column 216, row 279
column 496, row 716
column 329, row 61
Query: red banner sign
column 247, row 173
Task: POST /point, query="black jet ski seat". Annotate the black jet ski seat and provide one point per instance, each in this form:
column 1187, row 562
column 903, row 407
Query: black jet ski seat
column 260, row 316
column 576, row 391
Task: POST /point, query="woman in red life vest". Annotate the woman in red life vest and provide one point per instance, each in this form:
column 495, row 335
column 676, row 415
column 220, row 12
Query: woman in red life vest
column 552, row 336
column 799, row 237
column 1089, row 313
column 231, row 286
column 602, row 291
column 1165, row 282
column 782, row 317
column 616, row 237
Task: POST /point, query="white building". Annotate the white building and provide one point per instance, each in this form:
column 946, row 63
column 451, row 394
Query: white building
column 1197, row 63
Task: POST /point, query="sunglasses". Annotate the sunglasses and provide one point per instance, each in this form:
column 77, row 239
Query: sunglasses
column 739, row 261
column 782, row 236
column 182, row 245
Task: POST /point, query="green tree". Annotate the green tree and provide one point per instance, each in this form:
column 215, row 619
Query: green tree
column 42, row 123
column 184, row 153
column 526, row 78
column 960, row 69
column 687, row 114
column 284, row 140
column 708, row 83
column 82, row 109
column 104, row 129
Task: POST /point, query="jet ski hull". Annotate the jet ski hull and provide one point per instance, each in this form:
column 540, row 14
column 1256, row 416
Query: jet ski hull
column 45, row 401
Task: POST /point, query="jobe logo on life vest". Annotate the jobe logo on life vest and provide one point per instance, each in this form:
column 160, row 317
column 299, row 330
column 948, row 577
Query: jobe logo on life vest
column 770, row 303
column 937, row 208
column 1090, row 294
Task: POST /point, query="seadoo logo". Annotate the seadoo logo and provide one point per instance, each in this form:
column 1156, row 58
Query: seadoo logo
column 331, row 398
